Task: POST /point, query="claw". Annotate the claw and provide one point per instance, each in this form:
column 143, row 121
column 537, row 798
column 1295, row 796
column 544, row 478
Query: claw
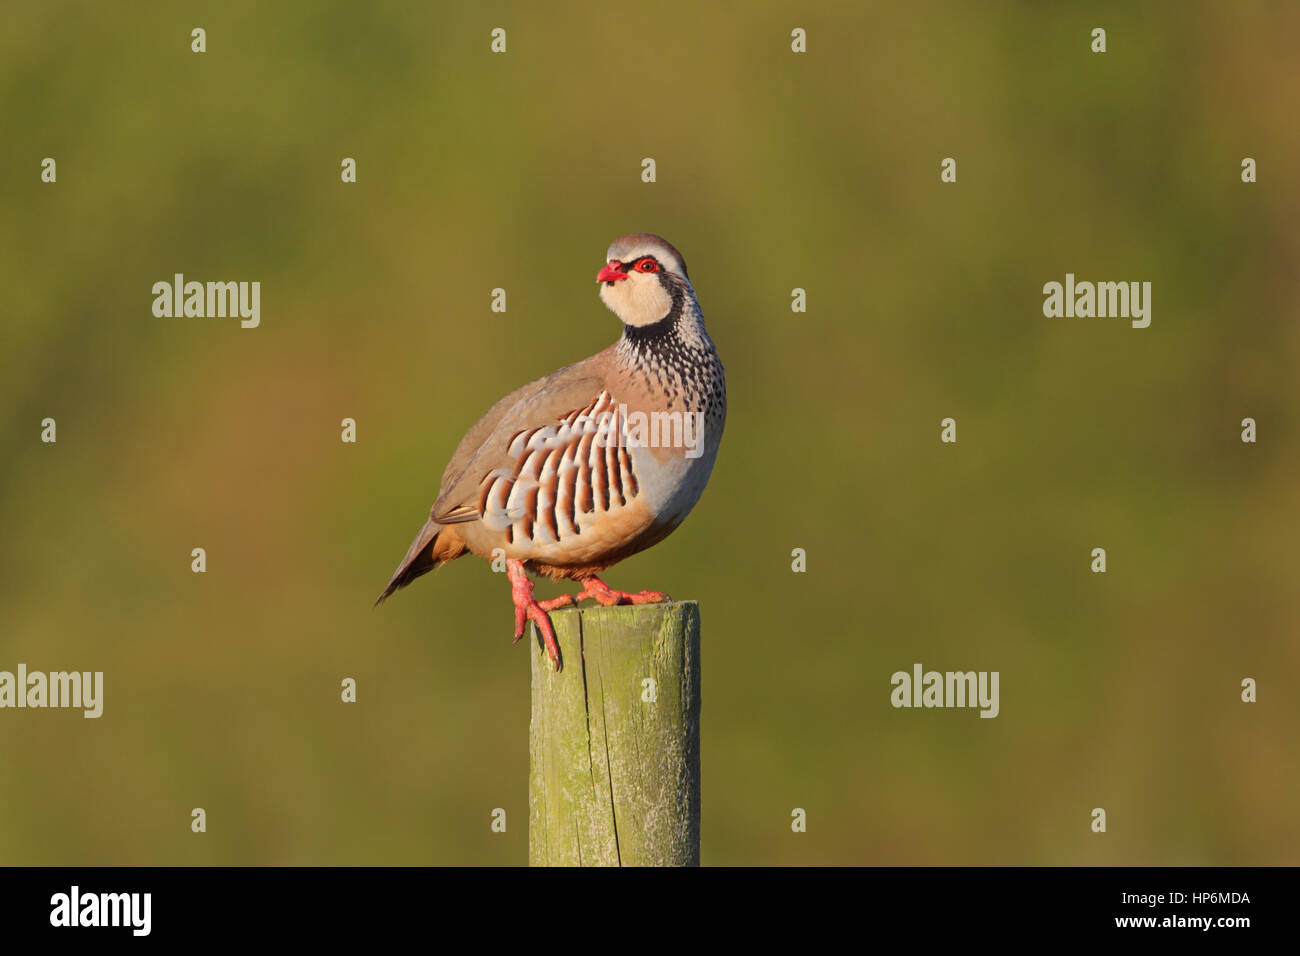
column 527, row 609
column 593, row 588
column 608, row 597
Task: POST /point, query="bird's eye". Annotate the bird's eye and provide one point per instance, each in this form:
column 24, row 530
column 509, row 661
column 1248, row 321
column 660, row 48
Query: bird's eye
column 646, row 265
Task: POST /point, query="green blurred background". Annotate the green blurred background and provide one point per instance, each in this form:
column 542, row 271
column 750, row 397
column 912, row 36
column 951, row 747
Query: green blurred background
column 775, row 170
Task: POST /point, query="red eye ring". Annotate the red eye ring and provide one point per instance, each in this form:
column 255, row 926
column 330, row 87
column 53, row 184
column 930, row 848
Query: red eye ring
column 646, row 265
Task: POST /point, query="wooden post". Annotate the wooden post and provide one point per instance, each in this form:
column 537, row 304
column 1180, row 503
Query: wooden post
column 614, row 741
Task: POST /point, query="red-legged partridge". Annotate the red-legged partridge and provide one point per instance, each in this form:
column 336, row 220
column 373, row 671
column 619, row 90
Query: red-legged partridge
column 595, row 462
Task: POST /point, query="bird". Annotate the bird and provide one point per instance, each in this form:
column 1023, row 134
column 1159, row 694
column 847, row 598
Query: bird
column 595, row 462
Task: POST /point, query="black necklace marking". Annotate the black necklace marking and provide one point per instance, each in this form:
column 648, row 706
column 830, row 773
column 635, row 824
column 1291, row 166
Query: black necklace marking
column 675, row 355
column 651, row 337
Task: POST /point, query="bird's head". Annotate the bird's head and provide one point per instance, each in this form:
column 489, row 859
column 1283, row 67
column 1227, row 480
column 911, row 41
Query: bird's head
column 642, row 275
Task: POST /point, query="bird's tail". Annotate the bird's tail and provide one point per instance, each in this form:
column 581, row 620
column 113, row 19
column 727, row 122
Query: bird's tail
column 435, row 544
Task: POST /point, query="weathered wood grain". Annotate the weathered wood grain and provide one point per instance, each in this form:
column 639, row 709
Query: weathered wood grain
column 615, row 775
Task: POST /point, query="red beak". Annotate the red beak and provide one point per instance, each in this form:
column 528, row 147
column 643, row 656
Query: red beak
column 611, row 272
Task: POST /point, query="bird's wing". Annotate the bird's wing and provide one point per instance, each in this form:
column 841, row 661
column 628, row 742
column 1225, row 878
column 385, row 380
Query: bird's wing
column 486, row 447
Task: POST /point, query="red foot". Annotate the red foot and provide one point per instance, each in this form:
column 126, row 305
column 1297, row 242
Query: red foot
column 602, row 593
column 527, row 609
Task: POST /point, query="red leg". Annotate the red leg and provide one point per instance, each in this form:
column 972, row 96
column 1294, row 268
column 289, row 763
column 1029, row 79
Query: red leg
column 600, row 592
column 527, row 609
column 564, row 600
column 606, row 595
